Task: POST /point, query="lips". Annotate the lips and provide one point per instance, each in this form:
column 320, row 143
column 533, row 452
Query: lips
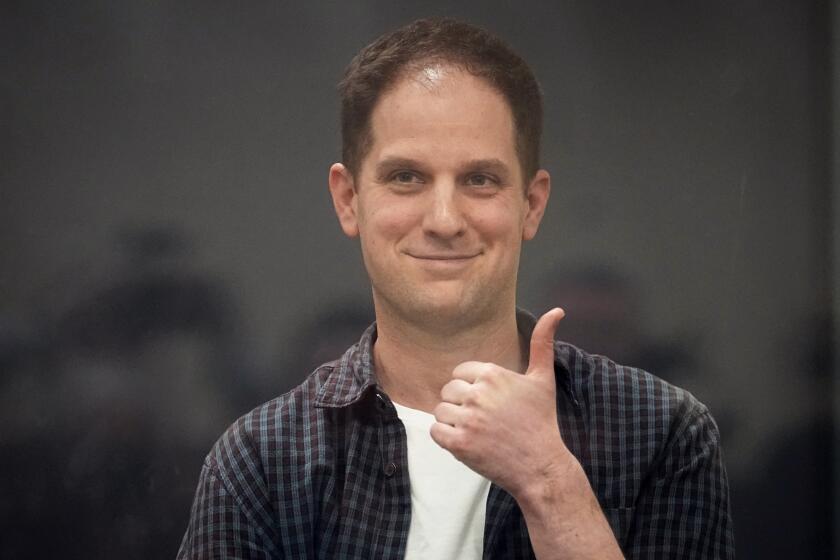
column 443, row 257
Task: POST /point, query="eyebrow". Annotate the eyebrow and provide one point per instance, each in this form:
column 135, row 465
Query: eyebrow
column 493, row 165
column 391, row 163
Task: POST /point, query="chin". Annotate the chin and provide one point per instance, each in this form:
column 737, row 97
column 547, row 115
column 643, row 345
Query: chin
column 445, row 311
column 444, row 304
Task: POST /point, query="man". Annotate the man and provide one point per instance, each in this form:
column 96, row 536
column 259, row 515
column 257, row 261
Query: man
column 457, row 427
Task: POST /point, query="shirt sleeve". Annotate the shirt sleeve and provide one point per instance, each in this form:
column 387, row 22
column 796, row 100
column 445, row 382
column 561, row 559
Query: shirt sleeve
column 683, row 510
column 220, row 528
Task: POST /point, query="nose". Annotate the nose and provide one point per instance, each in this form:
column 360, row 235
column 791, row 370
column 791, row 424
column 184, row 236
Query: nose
column 443, row 218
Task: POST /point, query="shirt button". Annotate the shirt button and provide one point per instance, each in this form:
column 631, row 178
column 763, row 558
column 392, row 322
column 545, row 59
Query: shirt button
column 390, row 469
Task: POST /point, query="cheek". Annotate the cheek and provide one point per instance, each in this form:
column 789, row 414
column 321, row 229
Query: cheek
column 386, row 219
column 500, row 224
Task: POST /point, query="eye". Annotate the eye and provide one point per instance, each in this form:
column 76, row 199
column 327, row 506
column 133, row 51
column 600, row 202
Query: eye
column 481, row 180
column 405, row 177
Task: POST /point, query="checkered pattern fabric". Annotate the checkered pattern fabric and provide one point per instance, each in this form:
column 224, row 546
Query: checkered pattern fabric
column 321, row 472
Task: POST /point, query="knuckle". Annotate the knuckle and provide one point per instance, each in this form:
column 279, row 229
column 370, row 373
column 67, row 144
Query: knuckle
column 490, row 374
column 451, row 389
column 437, row 410
column 484, row 371
column 445, row 392
column 462, row 368
column 458, row 444
column 471, row 423
column 472, row 397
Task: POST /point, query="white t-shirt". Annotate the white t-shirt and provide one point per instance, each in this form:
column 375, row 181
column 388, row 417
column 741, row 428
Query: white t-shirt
column 448, row 500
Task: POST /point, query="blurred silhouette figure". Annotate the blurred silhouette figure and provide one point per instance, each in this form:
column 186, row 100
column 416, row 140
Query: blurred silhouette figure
column 602, row 316
column 794, row 478
column 783, row 507
column 332, row 330
column 131, row 386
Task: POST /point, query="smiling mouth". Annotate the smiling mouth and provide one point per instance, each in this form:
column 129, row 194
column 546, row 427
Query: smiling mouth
column 443, row 257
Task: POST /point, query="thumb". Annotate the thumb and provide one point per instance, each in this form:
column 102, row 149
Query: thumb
column 542, row 342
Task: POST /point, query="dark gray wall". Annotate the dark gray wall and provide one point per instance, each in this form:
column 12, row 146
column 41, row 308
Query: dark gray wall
column 168, row 248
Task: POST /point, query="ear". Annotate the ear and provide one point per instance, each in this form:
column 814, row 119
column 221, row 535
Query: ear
column 344, row 197
column 537, row 198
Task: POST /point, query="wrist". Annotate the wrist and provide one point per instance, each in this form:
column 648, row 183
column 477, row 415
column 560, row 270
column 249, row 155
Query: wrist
column 561, row 484
column 564, row 517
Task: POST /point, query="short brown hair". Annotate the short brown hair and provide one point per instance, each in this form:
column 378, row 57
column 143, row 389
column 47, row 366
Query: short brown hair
column 379, row 65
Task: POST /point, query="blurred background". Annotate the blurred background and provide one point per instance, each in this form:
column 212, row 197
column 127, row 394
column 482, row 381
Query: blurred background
column 169, row 257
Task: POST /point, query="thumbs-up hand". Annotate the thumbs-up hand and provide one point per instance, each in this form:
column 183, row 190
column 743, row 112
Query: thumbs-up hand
column 503, row 424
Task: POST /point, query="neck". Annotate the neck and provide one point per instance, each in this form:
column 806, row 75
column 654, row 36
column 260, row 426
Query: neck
column 414, row 361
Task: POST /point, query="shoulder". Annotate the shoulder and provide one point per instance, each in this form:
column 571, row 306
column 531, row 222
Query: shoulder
column 605, row 387
column 644, row 442
column 248, row 449
column 631, row 413
column 259, row 463
column 637, row 435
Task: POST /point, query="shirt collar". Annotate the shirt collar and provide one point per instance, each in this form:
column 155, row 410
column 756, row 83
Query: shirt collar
column 353, row 375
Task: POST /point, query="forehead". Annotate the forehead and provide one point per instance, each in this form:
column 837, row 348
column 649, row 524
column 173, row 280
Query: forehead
column 443, row 112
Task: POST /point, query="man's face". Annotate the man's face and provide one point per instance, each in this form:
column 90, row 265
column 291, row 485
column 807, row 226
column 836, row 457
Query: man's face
column 439, row 201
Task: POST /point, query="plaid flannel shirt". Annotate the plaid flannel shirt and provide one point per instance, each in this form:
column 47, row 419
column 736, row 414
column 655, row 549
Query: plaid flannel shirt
column 321, row 472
